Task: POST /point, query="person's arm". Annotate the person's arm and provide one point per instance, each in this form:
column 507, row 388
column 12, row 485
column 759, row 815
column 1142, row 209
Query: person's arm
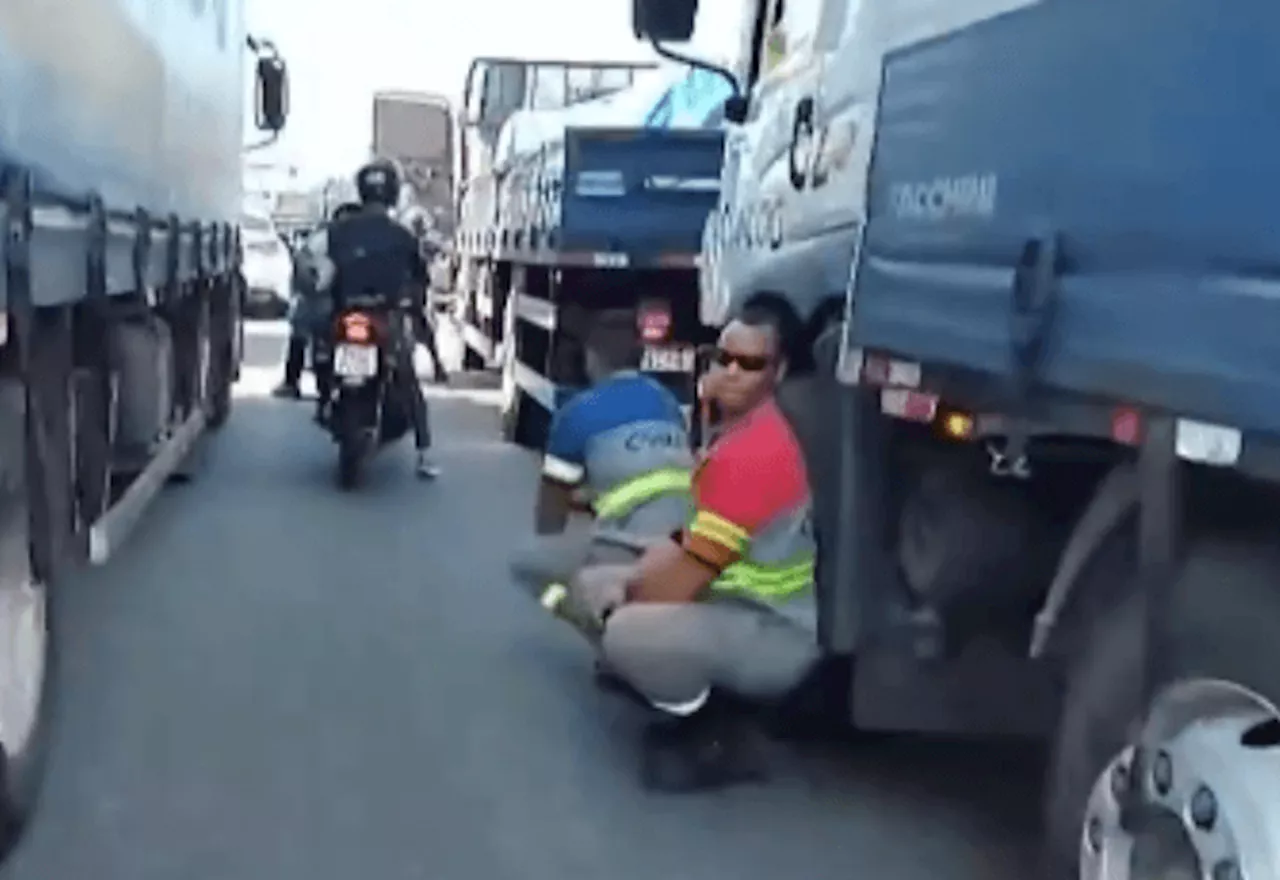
column 563, row 470
column 322, row 265
column 733, row 500
column 418, row 273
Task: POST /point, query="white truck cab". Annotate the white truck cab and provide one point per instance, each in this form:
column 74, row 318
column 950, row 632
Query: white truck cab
column 793, row 194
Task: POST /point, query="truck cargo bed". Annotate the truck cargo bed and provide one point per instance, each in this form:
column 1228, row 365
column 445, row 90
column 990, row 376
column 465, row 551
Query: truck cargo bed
column 141, row 103
column 619, row 197
column 1144, row 135
column 140, row 106
column 644, row 192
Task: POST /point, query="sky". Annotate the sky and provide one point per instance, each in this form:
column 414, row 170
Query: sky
column 340, row 53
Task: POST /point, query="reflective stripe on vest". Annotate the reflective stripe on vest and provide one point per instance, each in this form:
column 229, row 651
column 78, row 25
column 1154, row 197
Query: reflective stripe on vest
column 630, row 494
column 767, row 583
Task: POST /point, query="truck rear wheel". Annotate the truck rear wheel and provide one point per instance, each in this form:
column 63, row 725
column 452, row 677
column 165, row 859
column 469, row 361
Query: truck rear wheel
column 523, row 422
column 29, row 550
column 26, row 660
column 1222, row 656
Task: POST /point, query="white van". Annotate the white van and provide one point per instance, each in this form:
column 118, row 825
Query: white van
column 267, row 265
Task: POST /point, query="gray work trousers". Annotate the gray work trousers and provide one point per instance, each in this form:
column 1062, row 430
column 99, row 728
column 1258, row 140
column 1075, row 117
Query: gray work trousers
column 674, row 653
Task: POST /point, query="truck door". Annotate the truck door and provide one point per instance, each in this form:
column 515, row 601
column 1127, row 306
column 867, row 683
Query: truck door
column 843, row 116
column 783, row 108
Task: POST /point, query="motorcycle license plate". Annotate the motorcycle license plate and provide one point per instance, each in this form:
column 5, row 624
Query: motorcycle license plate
column 355, row 361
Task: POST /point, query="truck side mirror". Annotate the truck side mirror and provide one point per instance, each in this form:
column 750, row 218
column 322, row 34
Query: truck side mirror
column 271, row 94
column 736, row 109
column 663, row 20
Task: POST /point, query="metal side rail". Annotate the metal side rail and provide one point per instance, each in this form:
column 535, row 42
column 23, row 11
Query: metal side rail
column 113, row 528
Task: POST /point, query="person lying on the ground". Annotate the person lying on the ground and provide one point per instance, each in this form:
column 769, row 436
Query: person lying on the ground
column 722, row 614
column 622, row 444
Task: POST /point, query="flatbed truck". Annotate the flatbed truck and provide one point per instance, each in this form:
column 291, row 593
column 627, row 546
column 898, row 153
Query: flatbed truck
column 591, row 217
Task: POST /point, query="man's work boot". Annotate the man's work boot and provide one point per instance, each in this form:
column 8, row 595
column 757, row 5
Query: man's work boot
column 287, row 390
column 716, row 747
column 424, row 467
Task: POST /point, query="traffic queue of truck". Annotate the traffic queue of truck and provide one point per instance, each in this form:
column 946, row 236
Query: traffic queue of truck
column 1028, row 249
column 120, row 185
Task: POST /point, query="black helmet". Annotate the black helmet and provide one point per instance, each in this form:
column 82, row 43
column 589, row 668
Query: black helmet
column 346, row 209
column 379, row 183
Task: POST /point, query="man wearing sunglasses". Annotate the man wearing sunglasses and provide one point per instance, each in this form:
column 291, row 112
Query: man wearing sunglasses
column 721, row 617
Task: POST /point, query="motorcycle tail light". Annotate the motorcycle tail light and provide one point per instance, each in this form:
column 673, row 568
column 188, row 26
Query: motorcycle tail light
column 356, row 327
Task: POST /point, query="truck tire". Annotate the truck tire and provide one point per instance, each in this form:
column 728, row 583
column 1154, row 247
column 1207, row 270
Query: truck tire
column 22, row 770
column 223, row 331
column 524, row 423
column 1221, row 624
column 96, row 416
column 36, row 513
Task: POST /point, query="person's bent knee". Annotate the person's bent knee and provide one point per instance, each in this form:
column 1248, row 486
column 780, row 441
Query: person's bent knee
column 546, row 559
column 653, row 648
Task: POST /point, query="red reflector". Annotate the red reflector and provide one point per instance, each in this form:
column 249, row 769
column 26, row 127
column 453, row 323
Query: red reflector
column 1126, row 426
column 913, row 406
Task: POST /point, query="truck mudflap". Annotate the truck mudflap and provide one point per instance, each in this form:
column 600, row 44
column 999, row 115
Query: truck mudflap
column 1140, row 137
column 642, row 194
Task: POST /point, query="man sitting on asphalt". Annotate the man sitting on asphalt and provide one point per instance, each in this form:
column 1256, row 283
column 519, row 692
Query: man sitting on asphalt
column 624, row 442
column 719, row 620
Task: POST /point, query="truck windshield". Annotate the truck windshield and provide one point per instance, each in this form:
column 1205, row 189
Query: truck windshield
column 561, row 85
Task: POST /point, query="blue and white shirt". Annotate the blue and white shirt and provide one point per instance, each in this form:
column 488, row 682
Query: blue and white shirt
column 624, row 427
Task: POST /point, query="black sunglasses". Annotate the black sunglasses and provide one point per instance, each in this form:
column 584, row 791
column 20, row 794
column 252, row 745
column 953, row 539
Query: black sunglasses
column 751, row 363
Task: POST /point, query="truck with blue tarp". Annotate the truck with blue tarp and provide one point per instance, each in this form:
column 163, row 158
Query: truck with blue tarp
column 121, row 144
column 1043, row 449
column 598, row 205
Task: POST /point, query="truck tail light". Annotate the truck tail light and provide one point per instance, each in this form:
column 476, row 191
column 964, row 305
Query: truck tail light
column 653, row 321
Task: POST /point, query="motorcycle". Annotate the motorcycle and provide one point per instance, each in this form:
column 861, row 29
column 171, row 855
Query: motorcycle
column 365, row 409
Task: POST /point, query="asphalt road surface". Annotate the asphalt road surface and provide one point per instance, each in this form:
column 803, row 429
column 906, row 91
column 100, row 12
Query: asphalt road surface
column 277, row 681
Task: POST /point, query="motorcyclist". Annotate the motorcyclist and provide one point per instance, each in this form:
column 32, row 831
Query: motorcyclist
column 308, row 309
column 369, row 250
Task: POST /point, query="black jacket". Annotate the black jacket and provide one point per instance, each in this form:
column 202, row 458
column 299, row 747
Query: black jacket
column 371, row 253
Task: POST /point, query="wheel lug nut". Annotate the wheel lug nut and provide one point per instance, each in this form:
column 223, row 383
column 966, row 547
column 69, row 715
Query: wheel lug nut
column 1204, row 809
column 1227, row 870
column 1093, row 834
column 1119, row 780
column 1162, row 773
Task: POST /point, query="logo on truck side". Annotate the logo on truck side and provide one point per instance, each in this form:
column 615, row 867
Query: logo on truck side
column 945, row 198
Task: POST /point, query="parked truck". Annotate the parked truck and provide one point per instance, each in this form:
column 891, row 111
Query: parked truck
column 1045, row 473
column 120, row 187
column 572, row 204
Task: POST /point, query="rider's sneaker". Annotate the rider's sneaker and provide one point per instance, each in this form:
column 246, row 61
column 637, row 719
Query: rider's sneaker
column 287, row 391
column 425, row 468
